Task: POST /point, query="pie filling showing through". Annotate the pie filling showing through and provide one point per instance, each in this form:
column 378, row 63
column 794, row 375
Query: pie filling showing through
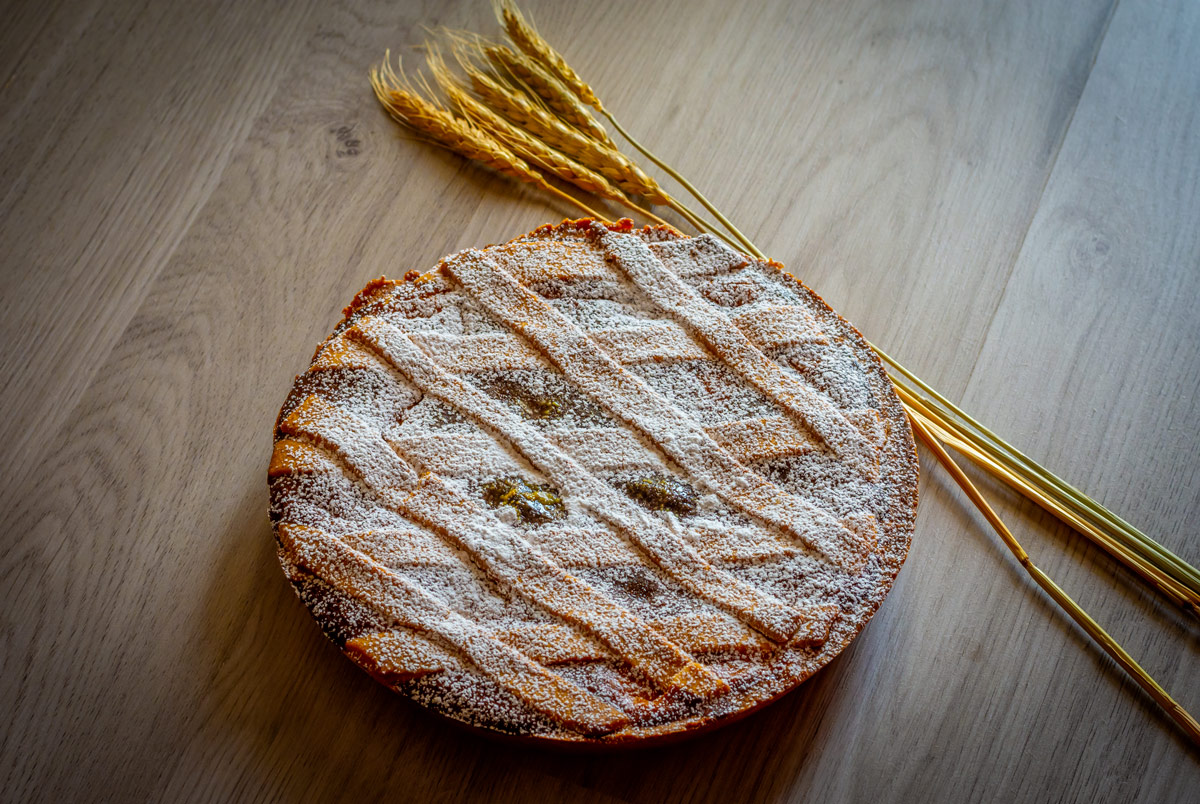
column 598, row 484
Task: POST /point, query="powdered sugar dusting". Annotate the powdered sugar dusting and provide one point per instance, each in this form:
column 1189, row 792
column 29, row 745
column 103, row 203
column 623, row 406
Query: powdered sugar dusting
column 557, row 359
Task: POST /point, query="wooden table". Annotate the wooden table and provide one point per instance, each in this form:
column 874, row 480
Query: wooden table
column 1005, row 195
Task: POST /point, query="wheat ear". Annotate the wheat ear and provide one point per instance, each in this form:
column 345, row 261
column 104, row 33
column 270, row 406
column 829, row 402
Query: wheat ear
column 407, row 106
column 561, row 100
column 525, row 145
column 598, row 155
column 551, row 63
column 524, row 113
column 546, row 73
column 525, row 36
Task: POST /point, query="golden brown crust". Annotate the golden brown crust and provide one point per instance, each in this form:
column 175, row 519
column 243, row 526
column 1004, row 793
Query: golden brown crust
column 736, row 669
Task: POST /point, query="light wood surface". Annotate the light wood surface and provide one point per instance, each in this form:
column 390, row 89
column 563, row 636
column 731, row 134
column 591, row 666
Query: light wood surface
column 1004, row 195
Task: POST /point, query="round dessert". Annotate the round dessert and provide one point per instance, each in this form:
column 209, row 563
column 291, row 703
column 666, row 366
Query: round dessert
column 595, row 486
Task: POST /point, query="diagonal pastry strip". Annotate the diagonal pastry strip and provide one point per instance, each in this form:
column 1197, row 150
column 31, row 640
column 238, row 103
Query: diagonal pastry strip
column 658, row 342
column 407, row 604
column 630, row 399
column 668, row 550
column 403, row 654
column 498, row 548
column 569, row 548
column 675, row 297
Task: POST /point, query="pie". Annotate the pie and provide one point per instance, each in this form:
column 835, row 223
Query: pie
column 597, row 485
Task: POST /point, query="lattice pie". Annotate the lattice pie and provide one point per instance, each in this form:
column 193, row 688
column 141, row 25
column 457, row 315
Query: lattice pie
column 594, row 485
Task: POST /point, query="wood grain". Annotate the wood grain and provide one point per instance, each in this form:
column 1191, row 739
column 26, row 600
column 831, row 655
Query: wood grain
column 1004, row 195
column 104, row 169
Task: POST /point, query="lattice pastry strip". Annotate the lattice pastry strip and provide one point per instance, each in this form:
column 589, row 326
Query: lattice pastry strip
column 628, row 398
column 653, row 342
column 763, row 438
column 339, row 353
column 496, row 351
column 455, row 454
column 497, row 548
column 404, row 654
column 778, row 325
column 635, row 259
column 604, row 449
column 401, row 655
column 407, row 604
column 668, row 550
column 701, row 256
column 536, row 262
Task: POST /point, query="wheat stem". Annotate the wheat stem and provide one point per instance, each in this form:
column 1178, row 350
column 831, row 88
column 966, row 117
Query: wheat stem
column 987, row 456
column 1169, row 586
column 568, row 197
column 1093, row 629
column 695, row 220
column 687, row 185
column 1050, row 485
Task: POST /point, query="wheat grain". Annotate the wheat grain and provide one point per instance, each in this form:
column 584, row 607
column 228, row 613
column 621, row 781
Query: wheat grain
column 525, row 36
column 407, row 106
column 561, row 100
column 517, row 107
column 523, row 143
column 614, row 165
column 522, row 111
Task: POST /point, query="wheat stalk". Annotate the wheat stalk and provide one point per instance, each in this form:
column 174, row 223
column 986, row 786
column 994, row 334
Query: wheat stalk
column 935, row 421
column 1093, row 629
column 552, row 78
column 536, row 118
column 524, row 144
column 406, row 105
column 561, row 100
column 525, row 36
column 1142, row 554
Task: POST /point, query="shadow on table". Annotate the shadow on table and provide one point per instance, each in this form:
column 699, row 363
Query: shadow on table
column 300, row 721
